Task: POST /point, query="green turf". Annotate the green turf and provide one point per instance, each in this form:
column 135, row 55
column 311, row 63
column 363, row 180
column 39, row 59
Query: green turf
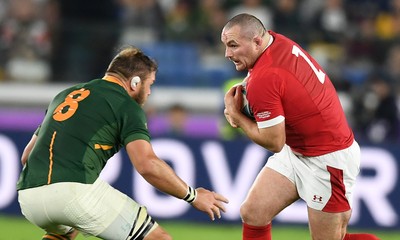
column 17, row 228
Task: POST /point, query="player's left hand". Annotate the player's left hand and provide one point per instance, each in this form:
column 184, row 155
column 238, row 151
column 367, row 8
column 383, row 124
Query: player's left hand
column 229, row 119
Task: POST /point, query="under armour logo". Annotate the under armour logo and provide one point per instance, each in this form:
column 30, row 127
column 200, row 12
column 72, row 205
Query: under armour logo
column 317, row 198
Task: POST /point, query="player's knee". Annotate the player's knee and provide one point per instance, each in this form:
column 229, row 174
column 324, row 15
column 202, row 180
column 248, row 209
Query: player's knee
column 248, row 212
column 166, row 236
column 254, row 214
column 163, row 235
column 158, row 234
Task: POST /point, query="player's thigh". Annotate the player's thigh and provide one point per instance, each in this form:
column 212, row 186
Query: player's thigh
column 326, row 182
column 105, row 212
column 43, row 206
column 328, row 226
column 271, row 193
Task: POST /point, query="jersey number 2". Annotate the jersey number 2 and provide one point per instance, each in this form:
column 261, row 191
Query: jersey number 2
column 318, row 72
column 68, row 108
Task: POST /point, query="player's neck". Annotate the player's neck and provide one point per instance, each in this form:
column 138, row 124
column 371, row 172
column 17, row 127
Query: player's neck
column 269, row 41
column 115, row 79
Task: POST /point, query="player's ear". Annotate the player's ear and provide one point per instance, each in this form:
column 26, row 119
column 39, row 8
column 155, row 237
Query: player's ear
column 134, row 82
column 258, row 41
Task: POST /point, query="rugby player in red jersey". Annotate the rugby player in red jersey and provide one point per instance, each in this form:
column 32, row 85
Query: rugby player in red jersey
column 299, row 118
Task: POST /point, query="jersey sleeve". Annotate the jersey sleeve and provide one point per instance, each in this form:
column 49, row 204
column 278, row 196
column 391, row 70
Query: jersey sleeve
column 39, row 126
column 134, row 125
column 37, row 130
column 264, row 96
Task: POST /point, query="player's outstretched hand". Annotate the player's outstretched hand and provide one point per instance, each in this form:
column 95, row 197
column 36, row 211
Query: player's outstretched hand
column 209, row 202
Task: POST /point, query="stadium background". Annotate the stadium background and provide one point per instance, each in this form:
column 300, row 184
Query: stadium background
column 46, row 45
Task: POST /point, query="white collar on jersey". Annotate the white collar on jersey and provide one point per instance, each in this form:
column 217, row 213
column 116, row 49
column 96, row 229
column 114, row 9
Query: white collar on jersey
column 271, row 39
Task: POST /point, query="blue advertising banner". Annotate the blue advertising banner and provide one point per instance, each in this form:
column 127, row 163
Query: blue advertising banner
column 227, row 167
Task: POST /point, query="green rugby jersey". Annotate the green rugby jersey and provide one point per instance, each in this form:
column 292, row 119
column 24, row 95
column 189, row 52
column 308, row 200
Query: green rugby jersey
column 84, row 126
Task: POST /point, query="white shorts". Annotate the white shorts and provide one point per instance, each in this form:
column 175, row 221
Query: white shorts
column 94, row 209
column 324, row 182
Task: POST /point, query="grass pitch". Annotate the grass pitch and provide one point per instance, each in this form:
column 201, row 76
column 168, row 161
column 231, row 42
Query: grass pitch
column 17, row 228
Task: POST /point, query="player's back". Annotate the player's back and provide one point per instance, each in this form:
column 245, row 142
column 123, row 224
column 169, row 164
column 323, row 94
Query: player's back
column 80, row 132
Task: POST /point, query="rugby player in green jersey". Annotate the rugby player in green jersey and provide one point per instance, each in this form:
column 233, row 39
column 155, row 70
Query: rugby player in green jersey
column 59, row 188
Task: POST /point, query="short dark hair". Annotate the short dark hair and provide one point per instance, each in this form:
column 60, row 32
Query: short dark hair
column 250, row 25
column 131, row 61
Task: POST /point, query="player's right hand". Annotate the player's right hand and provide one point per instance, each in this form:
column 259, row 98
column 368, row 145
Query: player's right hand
column 209, row 202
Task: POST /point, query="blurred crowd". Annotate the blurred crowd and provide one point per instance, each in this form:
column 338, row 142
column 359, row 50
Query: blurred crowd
column 356, row 41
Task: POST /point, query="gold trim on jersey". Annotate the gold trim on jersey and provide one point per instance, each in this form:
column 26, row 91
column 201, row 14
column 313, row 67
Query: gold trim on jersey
column 102, row 147
column 51, row 157
column 113, row 80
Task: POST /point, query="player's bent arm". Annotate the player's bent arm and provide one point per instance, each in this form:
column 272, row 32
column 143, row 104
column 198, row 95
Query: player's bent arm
column 159, row 174
column 272, row 138
column 154, row 170
column 28, row 149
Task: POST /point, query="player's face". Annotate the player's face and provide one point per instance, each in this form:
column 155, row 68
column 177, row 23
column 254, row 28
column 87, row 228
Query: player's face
column 241, row 50
column 144, row 88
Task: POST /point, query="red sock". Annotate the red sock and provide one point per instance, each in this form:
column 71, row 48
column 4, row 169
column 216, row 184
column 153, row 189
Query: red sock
column 256, row 232
column 360, row 236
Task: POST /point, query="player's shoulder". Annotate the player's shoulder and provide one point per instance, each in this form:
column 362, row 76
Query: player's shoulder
column 270, row 72
column 280, row 37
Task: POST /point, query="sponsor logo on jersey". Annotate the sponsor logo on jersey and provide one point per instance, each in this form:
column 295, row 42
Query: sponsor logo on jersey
column 262, row 115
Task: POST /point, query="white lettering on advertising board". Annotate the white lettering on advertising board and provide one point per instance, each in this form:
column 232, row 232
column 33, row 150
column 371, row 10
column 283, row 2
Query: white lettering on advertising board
column 371, row 191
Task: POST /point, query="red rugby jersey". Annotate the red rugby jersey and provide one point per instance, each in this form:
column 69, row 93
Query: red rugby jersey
column 286, row 83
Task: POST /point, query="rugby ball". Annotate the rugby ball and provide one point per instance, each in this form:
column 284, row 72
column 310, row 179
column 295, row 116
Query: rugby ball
column 246, row 108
